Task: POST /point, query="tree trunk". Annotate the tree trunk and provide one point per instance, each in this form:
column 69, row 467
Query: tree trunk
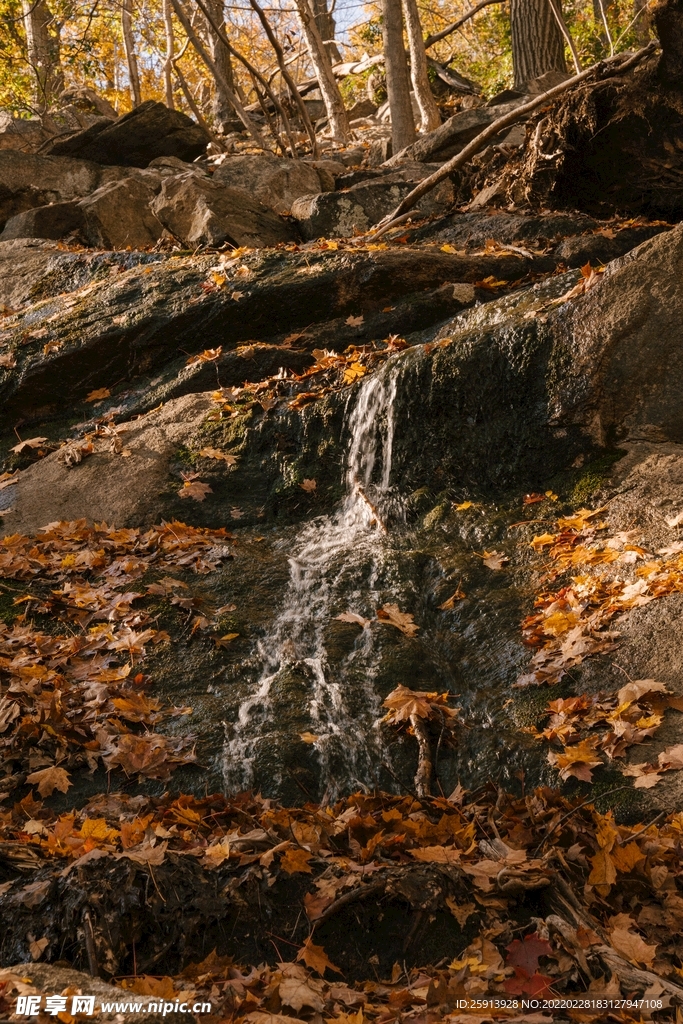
column 419, row 76
column 43, row 52
column 642, row 25
column 168, row 63
column 322, row 65
column 326, row 28
column 129, row 45
column 537, row 40
column 216, row 72
column 398, row 82
column 223, row 109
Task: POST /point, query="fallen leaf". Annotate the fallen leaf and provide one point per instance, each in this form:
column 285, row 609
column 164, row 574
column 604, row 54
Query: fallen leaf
column 37, row 947
column 449, row 603
column 308, row 737
column 463, row 506
column 358, row 620
column 195, row 489
column 50, row 779
column 33, row 442
column 437, row 854
column 98, row 395
column 316, row 958
column 355, row 321
column 626, row 941
column 391, row 615
column 495, row 559
column 308, row 485
column 214, row 453
column 297, row 993
column 296, row 859
column 526, row 952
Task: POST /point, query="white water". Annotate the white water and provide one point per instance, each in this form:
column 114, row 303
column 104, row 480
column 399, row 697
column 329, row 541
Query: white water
column 334, row 567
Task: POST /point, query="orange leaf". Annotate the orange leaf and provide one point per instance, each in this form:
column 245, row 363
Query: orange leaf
column 296, row 859
column 316, row 958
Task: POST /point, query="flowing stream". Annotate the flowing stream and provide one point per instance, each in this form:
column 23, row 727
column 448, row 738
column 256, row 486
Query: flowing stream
column 338, row 563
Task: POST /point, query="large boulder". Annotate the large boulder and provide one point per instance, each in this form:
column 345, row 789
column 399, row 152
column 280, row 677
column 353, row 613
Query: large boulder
column 343, row 214
column 201, row 212
column 54, row 221
column 275, row 182
column 28, row 180
column 118, row 216
column 24, row 134
column 149, row 131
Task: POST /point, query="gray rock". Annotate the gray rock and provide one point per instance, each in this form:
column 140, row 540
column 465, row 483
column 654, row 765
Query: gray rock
column 24, row 134
column 28, row 180
column 54, row 221
column 118, row 216
column 148, row 131
column 203, row 212
column 454, row 134
column 343, row 214
column 275, row 182
column 47, row 980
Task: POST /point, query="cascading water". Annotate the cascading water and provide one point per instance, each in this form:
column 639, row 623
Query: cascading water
column 338, row 562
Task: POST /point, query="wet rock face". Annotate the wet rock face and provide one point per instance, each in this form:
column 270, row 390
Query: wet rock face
column 149, row 131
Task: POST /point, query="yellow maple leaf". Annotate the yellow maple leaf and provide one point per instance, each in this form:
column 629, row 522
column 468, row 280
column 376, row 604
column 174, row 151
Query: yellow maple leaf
column 296, row 859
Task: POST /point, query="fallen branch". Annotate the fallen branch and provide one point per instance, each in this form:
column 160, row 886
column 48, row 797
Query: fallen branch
column 603, row 68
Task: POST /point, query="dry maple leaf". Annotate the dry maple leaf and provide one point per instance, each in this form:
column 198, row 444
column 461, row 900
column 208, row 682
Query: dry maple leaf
column 629, row 943
column 298, row 992
column 214, row 453
column 308, row 737
column 526, row 953
column 449, row 603
column 194, row 489
column 296, row 859
column 308, row 485
column 577, row 760
column 353, row 372
column 391, row 615
column 32, row 442
column 403, row 704
column 437, row 854
column 358, row 620
column 495, row 559
column 50, row 779
column 355, row 321
column 316, row 958
column 98, row 395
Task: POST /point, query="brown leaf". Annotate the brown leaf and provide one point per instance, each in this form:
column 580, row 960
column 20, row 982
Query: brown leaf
column 628, row 942
column 296, row 859
column 297, row 993
column 98, row 395
column 32, row 442
column 308, row 485
column 437, row 854
column 316, row 958
column 495, row 559
column 355, row 321
column 450, row 602
column 358, row 620
column 195, row 489
column 214, row 453
column 50, row 779
column 37, row 947
column 391, row 615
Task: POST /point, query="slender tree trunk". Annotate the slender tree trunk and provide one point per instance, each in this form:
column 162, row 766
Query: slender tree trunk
column 43, row 52
column 537, row 40
column 223, row 109
column 217, row 73
column 289, row 81
column 398, row 82
column 642, row 25
column 326, row 28
column 168, row 63
column 419, row 76
column 322, row 65
column 129, row 44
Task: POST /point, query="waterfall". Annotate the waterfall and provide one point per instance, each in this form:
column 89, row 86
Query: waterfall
column 337, row 563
